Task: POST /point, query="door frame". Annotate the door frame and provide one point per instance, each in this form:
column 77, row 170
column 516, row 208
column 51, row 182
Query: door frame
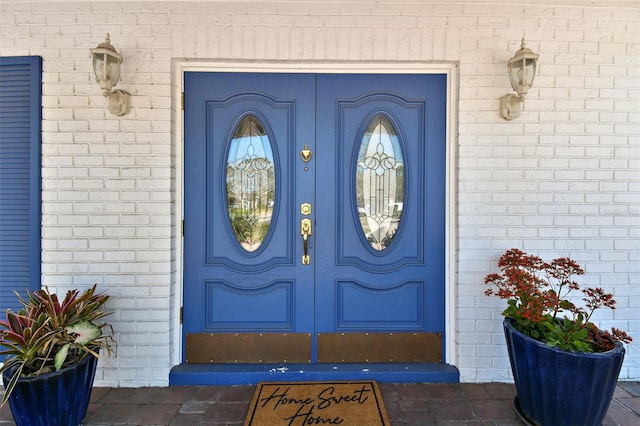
column 180, row 67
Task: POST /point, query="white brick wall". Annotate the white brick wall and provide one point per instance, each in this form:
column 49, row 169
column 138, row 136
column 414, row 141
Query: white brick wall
column 560, row 180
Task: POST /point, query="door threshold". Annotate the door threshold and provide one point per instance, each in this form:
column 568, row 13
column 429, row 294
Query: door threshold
column 249, row 374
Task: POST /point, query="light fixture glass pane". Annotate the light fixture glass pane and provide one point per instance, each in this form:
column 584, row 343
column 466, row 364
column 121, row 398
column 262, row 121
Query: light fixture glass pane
column 250, row 181
column 380, row 183
column 98, row 65
column 521, row 75
column 530, row 71
column 113, row 70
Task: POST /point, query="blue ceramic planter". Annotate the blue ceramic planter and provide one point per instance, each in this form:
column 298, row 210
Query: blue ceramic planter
column 55, row 399
column 557, row 387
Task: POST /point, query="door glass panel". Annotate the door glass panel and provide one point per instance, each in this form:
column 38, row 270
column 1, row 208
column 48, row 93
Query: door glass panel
column 250, row 183
column 380, row 183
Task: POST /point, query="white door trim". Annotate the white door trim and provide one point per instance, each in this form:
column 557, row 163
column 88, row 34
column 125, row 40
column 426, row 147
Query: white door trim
column 449, row 68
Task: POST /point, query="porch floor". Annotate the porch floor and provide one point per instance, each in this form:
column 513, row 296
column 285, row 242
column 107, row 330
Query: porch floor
column 407, row 404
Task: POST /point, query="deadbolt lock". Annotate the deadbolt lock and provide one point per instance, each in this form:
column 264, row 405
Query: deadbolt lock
column 305, row 209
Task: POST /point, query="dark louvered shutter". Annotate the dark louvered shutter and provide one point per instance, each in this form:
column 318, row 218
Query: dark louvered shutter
column 20, row 138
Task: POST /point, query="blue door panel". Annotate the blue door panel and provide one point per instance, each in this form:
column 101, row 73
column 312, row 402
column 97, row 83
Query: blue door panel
column 236, row 308
column 227, row 288
column 399, row 307
column 414, row 263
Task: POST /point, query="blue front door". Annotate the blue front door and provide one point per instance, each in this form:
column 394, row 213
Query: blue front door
column 314, row 218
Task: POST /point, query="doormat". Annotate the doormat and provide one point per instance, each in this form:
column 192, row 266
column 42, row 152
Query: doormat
column 317, row 403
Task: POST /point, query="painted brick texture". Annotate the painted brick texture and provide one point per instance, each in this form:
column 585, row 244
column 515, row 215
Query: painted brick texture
column 562, row 180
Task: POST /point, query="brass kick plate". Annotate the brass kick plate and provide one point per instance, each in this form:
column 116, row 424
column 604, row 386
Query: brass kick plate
column 379, row 347
column 248, row 348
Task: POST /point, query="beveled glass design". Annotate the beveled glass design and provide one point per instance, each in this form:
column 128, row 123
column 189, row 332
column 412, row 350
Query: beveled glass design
column 250, row 183
column 380, row 183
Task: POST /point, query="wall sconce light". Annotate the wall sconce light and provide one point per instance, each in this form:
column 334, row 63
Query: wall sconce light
column 522, row 71
column 106, row 66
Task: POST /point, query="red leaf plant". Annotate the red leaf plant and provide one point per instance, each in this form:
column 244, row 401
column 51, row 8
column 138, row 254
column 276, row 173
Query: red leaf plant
column 537, row 300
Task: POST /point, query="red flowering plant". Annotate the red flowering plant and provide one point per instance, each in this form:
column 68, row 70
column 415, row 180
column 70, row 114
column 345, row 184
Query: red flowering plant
column 537, row 300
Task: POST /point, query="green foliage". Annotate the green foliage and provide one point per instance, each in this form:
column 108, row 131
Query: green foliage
column 567, row 335
column 47, row 335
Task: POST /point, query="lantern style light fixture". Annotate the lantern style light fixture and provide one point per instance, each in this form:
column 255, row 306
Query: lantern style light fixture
column 106, row 66
column 522, row 71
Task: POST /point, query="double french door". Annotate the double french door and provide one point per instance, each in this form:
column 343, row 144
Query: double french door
column 314, row 218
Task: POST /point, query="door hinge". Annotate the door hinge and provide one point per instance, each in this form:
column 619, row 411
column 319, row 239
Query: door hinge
column 182, row 228
column 182, row 101
column 181, row 314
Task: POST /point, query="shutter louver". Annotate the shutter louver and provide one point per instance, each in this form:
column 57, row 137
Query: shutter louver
column 20, row 136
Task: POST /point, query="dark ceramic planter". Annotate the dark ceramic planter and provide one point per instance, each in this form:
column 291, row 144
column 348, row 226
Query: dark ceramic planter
column 60, row 398
column 558, row 387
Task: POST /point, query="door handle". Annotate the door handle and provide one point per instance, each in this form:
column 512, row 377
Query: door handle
column 305, row 231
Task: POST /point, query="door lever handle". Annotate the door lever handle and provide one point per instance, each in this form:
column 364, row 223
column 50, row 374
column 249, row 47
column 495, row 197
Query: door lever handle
column 305, row 231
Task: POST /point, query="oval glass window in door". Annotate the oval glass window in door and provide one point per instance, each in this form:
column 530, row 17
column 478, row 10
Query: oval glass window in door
column 250, row 183
column 380, row 183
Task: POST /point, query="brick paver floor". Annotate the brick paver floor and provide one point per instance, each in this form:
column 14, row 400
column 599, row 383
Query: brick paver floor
column 407, row 404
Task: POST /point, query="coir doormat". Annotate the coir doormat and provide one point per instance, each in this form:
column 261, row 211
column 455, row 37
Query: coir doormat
column 317, row 403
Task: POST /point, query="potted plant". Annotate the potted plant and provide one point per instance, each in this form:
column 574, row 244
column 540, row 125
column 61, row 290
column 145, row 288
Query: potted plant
column 565, row 368
column 51, row 349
